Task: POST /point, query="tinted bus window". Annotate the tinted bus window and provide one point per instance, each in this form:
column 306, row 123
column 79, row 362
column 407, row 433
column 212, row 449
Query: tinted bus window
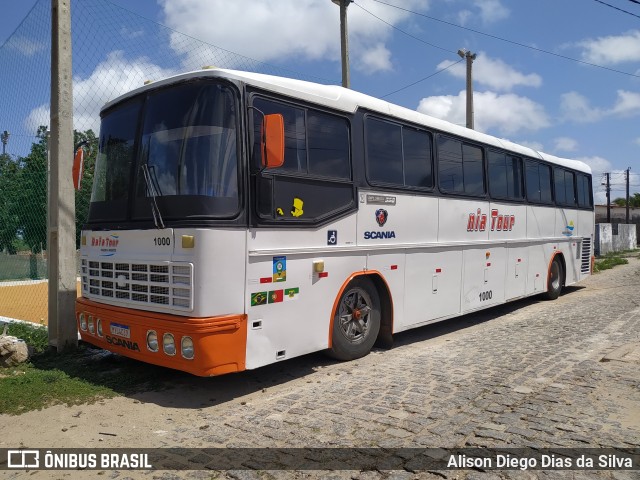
column 563, row 182
column 538, row 178
column 505, row 176
column 583, row 190
column 328, row 138
column 384, row 151
column 417, row 158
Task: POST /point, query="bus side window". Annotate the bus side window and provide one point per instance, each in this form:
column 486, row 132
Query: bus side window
column 315, row 180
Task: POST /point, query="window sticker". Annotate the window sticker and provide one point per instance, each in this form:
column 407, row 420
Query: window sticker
column 296, row 208
column 279, row 269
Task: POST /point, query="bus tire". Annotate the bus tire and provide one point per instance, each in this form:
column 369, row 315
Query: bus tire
column 555, row 280
column 356, row 321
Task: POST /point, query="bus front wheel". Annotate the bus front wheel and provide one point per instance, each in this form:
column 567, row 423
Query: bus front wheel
column 356, row 321
column 555, row 280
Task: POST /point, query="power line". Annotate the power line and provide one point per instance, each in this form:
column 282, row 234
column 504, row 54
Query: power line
column 616, row 8
column 402, row 31
column 495, row 37
column 422, row 79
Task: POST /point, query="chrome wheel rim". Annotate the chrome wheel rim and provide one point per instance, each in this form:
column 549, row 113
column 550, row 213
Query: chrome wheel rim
column 354, row 315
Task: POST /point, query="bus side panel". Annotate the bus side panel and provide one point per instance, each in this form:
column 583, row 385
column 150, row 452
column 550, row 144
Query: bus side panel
column 218, row 257
column 463, row 220
column 516, row 277
column 432, row 280
column 483, row 280
column 540, row 224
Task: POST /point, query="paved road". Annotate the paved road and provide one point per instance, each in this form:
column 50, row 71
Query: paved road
column 526, row 374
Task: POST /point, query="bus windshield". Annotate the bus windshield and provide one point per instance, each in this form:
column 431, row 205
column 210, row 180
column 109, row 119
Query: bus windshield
column 187, row 143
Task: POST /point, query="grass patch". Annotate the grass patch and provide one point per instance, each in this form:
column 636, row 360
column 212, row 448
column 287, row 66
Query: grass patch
column 82, row 375
column 610, row 260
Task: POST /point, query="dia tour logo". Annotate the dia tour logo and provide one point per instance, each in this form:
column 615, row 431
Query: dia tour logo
column 477, row 221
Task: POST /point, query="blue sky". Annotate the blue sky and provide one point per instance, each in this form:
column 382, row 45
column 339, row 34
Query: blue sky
column 522, row 93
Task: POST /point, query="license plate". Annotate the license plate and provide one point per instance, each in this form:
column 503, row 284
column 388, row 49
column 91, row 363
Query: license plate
column 120, row 330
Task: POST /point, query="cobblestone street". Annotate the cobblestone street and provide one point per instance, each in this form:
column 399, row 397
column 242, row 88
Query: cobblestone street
column 532, row 373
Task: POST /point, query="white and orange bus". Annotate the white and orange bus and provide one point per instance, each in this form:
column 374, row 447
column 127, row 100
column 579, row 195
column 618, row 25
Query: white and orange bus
column 240, row 219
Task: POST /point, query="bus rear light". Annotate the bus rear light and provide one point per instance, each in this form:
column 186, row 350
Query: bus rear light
column 92, row 327
column 152, row 340
column 99, row 326
column 83, row 321
column 323, row 274
column 168, row 344
column 186, row 346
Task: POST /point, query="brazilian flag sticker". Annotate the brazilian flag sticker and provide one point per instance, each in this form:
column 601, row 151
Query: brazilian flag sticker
column 258, row 298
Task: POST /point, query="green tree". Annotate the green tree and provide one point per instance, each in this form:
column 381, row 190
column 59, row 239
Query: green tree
column 31, row 189
column 9, row 221
column 634, row 201
column 83, row 196
column 31, row 194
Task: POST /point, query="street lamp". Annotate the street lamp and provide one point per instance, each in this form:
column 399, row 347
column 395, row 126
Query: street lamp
column 5, row 138
column 470, row 58
column 344, row 41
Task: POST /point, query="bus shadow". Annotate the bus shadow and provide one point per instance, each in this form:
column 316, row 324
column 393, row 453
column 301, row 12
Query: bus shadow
column 175, row 389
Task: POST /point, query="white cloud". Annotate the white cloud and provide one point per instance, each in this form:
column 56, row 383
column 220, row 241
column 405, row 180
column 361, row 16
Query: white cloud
column 507, row 114
column 377, row 58
column 493, row 73
column 565, row 144
column 273, row 31
column 598, row 165
column 575, row 107
column 533, row 145
column 613, row 49
column 110, row 79
column 627, row 103
column 637, row 141
column 491, row 11
column 27, row 46
column 464, row 16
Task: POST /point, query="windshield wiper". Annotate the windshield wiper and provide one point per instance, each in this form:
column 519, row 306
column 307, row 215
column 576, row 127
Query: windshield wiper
column 151, row 190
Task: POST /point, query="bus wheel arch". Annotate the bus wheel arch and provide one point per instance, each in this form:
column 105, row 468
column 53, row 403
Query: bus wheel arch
column 346, row 337
column 556, row 276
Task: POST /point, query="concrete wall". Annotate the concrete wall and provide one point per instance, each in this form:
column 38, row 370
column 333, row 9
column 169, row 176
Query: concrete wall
column 615, row 238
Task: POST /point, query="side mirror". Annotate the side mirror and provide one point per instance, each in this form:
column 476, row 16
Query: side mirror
column 78, row 167
column 273, row 141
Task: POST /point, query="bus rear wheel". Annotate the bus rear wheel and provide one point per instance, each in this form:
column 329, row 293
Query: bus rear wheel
column 356, row 321
column 555, row 280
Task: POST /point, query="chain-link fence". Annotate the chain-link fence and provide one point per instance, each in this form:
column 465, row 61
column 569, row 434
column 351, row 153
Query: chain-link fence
column 114, row 51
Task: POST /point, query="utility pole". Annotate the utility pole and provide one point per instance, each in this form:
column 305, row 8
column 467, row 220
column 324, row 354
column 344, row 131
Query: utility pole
column 5, row 139
column 608, row 197
column 470, row 58
column 344, row 41
column 627, row 215
column 61, row 256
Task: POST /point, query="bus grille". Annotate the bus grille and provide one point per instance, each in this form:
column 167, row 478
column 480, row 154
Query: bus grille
column 585, row 259
column 167, row 284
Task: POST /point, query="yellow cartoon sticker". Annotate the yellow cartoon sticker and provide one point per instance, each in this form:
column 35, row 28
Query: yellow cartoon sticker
column 296, row 209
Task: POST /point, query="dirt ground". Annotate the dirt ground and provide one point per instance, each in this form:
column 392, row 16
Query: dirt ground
column 25, row 301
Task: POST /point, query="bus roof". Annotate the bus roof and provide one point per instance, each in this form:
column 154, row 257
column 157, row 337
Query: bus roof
column 346, row 100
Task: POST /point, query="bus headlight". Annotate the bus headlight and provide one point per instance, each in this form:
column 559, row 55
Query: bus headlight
column 83, row 322
column 152, row 340
column 99, row 326
column 92, row 327
column 168, row 344
column 186, row 346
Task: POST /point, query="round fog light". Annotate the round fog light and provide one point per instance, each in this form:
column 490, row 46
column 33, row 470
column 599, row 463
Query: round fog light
column 99, row 327
column 92, row 327
column 187, row 348
column 152, row 340
column 168, row 344
column 83, row 322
